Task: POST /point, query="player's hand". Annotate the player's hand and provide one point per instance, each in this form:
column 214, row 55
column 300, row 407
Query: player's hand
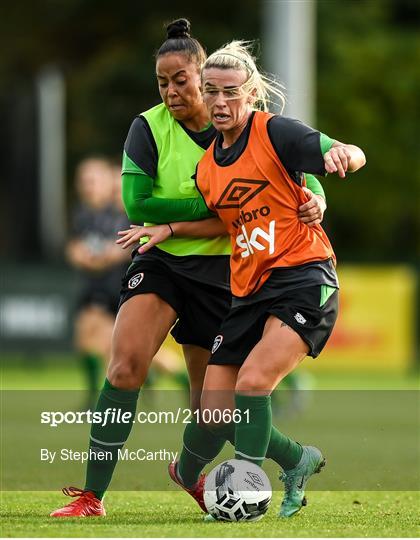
column 312, row 212
column 337, row 159
column 155, row 235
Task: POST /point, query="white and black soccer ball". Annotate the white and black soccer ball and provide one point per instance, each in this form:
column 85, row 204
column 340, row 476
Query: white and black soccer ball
column 237, row 490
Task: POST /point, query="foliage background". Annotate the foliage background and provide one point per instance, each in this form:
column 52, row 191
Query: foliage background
column 368, row 87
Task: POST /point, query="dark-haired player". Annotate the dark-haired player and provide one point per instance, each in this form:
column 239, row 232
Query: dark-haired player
column 283, row 279
column 182, row 280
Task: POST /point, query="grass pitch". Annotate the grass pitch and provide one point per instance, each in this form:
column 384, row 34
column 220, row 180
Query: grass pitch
column 173, row 514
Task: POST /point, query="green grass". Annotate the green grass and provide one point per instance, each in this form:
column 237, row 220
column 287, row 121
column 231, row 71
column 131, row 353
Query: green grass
column 63, row 372
column 172, row 514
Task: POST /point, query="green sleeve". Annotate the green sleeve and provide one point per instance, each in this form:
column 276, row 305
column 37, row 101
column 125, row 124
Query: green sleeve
column 325, row 142
column 141, row 207
column 314, row 185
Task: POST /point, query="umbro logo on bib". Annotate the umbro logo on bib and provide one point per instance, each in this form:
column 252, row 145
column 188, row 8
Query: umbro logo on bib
column 135, row 280
column 239, row 191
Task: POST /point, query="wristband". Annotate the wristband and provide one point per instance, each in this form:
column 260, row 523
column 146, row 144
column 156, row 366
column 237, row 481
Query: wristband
column 172, row 231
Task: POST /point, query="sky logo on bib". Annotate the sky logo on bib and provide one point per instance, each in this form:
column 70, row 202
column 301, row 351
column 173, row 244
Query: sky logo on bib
column 253, row 241
column 217, row 342
column 135, row 280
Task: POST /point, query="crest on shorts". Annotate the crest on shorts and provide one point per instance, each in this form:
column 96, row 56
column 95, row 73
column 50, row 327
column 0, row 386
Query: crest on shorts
column 300, row 318
column 135, row 280
column 217, row 342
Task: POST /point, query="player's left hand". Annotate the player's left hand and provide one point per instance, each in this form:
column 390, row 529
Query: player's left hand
column 312, row 212
column 155, row 235
column 337, row 159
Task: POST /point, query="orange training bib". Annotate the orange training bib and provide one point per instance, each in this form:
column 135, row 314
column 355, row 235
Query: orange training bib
column 258, row 203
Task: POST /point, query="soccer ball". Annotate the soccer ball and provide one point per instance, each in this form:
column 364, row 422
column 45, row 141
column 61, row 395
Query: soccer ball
column 237, row 490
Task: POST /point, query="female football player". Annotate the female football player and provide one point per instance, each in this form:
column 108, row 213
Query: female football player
column 283, row 279
column 183, row 280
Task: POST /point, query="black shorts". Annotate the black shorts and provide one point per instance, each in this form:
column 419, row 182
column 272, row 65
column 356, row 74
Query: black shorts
column 298, row 308
column 201, row 307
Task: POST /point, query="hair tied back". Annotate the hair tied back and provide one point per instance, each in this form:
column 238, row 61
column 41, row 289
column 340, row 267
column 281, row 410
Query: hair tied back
column 178, row 29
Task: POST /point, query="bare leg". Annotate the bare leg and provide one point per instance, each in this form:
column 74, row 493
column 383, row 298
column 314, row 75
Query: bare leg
column 279, row 352
column 196, row 359
column 218, row 391
column 142, row 324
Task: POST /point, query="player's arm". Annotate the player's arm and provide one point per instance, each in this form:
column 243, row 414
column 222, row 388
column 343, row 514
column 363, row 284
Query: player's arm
column 342, row 158
column 312, row 212
column 301, row 148
column 205, row 228
column 141, row 206
column 139, row 168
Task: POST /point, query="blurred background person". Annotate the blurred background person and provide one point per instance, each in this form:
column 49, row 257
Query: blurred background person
column 91, row 250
